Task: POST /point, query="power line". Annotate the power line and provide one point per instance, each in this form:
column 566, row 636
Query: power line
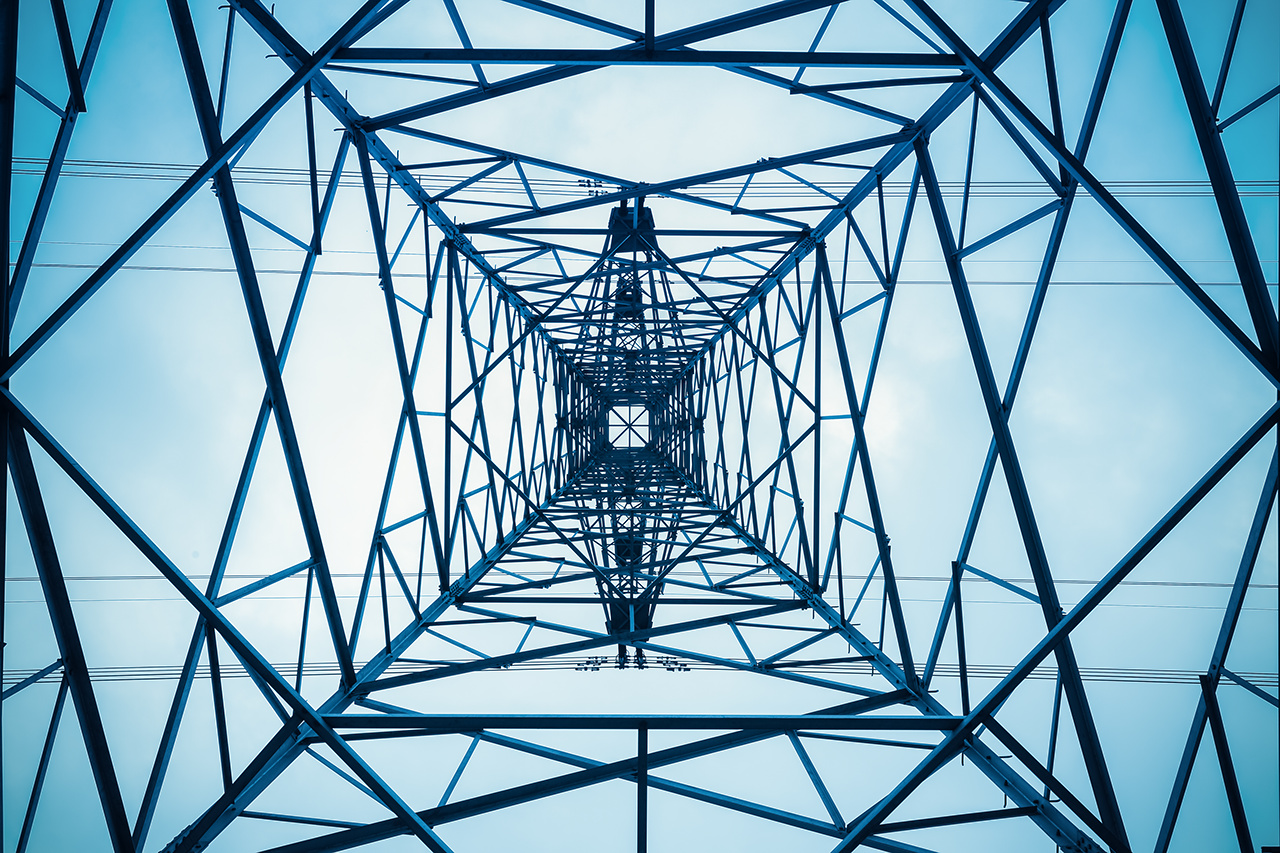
column 499, row 184
column 1141, row 675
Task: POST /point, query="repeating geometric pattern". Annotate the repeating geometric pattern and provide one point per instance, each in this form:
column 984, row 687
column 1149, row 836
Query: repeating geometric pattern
column 812, row 425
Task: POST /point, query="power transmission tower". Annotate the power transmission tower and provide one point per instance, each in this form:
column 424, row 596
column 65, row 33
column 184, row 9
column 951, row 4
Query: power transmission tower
column 555, row 475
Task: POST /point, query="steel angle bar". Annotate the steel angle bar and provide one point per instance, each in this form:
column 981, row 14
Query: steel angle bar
column 864, row 459
column 1227, row 54
column 1055, row 785
column 677, row 39
column 1018, row 224
column 868, row 253
column 42, row 767
column 1090, row 745
column 1231, row 616
column 225, row 77
column 816, row 779
column 678, row 722
column 31, row 679
column 229, row 148
column 309, row 113
column 866, row 824
column 1000, row 49
column 1000, row 582
column 1051, row 77
column 466, row 182
column 1230, row 783
column 594, row 640
column 245, row 651
column 250, row 588
column 879, row 84
column 275, row 229
column 1225, row 192
column 402, row 361
column 819, row 634
column 202, row 101
column 691, row 181
column 297, row 57
column 461, row 30
column 1047, row 817
column 1032, row 156
column 39, row 96
column 770, row 216
column 57, row 156
column 753, row 73
column 306, row 821
column 561, row 57
column 1248, row 108
column 957, row 819
column 575, row 17
column 219, row 707
column 1047, row 266
column 1250, row 686
column 1263, row 359
column 774, row 370
column 63, row 621
column 875, row 842
column 591, row 773
column 375, row 21
column 961, row 649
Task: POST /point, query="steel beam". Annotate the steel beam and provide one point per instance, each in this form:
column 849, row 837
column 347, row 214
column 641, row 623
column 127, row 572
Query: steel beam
column 1239, row 234
column 983, row 72
column 951, row 745
column 1082, row 716
column 1230, row 618
column 202, row 100
column 229, row 148
column 561, row 57
column 62, row 618
column 1209, row 690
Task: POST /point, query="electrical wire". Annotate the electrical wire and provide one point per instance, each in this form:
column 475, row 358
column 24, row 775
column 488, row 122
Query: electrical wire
column 1139, row 675
column 502, row 185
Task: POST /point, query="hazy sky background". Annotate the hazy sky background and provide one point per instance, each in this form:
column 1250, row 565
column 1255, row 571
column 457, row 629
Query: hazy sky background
column 1129, row 396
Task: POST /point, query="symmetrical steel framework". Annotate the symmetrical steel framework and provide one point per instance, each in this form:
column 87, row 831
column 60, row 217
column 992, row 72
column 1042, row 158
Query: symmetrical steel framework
column 633, row 435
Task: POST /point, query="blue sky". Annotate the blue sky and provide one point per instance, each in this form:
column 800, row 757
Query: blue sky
column 1129, row 396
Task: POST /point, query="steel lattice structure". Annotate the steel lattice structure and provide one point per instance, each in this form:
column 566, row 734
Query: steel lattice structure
column 623, row 577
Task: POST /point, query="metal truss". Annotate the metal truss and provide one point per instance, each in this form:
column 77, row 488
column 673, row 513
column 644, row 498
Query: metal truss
column 632, row 458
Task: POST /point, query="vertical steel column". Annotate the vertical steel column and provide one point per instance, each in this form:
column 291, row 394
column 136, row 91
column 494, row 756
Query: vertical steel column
column 8, row 98
column 448, row 260
column 815, row 322
column 642, row 788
